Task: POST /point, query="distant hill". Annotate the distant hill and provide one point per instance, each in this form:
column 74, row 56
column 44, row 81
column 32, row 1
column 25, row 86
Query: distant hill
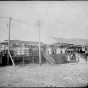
column 22, row 42
column 72, row 41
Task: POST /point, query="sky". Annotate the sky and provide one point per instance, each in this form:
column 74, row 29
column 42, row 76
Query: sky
column 61, row 19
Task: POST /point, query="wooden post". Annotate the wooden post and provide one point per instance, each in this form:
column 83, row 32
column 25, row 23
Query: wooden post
column 23, row 60
column 39, row 44
column 10, row 19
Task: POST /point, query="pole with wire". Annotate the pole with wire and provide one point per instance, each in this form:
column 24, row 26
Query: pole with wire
column 9, row 54
column 39, row 43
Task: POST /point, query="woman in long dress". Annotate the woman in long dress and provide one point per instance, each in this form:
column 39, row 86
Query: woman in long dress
column 77, row 57
column 68, row 58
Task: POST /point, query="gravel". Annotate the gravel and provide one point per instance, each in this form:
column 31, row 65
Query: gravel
column 34, row 75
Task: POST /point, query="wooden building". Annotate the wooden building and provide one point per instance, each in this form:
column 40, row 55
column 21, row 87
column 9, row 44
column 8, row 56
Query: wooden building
column 23, row 51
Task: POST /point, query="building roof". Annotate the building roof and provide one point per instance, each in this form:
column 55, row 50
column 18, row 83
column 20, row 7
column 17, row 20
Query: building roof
column 19, row 42
column 73, row 42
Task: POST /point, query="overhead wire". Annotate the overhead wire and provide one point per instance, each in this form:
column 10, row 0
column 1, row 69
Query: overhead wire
column 16, row 20
column 20, row 22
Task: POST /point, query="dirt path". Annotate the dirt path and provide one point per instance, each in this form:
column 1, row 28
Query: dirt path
column 46, row 75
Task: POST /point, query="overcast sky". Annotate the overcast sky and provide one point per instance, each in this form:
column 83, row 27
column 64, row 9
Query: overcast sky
column 62, row 19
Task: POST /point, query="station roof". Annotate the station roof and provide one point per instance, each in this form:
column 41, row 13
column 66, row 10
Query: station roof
column 19, row 42
column 71, row 42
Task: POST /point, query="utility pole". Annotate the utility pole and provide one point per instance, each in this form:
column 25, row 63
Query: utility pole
column 39, row 43
column 10, row 20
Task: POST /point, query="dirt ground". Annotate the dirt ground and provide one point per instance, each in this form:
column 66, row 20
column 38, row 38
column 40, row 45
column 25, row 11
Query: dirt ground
column 34, row 75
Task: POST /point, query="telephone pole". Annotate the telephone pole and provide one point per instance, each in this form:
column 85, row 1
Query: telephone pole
column 10, row 20
column 39, row 43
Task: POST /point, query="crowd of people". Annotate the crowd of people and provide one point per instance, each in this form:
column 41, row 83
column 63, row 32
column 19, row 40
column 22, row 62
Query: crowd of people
column 73, row 55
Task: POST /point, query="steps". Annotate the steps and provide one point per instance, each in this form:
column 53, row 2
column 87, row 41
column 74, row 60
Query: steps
column 49, row 58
